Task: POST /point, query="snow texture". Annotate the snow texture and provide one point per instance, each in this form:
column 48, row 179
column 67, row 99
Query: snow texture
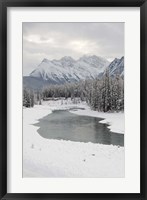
column 57, row 158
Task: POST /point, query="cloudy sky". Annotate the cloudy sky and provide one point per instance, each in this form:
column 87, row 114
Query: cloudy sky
column 55, row 40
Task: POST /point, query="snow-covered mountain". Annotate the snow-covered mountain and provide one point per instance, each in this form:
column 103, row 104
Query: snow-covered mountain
column 68, row 70
column 116, row 67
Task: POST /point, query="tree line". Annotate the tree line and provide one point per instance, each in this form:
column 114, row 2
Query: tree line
column 105, row 94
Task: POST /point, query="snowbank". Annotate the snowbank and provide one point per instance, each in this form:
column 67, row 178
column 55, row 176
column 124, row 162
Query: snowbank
column 57, row 158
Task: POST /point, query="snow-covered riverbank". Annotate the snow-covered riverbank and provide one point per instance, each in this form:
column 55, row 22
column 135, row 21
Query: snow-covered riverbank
column 114, row 120
column 57, row 158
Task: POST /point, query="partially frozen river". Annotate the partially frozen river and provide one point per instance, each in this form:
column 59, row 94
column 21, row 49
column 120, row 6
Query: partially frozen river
column 67, row 126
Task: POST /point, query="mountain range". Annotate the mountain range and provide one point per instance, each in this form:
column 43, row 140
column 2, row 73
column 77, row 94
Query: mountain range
column 67, row 70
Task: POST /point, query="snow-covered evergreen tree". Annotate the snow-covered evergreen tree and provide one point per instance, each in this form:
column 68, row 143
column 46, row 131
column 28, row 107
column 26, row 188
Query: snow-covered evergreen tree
column 28, row 98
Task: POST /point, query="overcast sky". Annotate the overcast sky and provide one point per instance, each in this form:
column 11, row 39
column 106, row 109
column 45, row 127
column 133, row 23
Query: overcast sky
column 55, row 40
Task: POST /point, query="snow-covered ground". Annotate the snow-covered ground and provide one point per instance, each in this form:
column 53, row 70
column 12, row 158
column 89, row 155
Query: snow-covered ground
column 57, row 158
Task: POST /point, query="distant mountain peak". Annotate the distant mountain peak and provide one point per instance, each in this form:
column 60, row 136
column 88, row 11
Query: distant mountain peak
column 67, row 58
column 67, row 69
column 117, row 67
column 45, row 60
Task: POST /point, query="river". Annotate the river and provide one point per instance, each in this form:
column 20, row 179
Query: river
column 62, row 124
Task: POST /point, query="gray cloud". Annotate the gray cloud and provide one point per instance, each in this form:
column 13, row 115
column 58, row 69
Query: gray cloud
column 55, row 40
